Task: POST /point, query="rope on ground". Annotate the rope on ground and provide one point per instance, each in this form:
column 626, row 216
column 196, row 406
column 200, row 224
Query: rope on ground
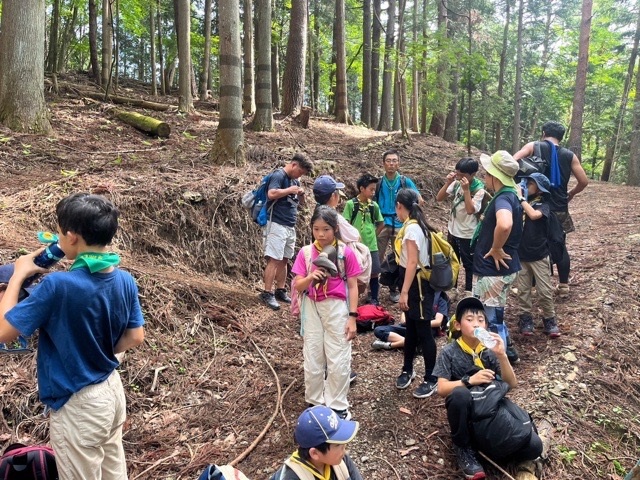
column 284, row 394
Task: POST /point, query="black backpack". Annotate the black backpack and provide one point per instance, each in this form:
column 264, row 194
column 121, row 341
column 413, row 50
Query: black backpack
column 20, row 462
column 356, row 210
column 533, row 164
column 556, row 238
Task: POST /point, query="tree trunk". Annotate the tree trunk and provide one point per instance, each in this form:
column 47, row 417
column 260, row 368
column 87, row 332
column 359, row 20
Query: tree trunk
column 316, row 54
column 451, row 121
column 342, row 106
column 107, row 42
column 387, row 75
column 183, row 23
column 633, row 166
column 438, row 120
column 144, row 123
column 152, row 50
column 263, row 119
column 399, row 99
column 515, row 143
column 22, row 105
column 577, row 111
column 413, row 110
column 67, row 37
column 424, row 91
column 163, row 83
column 248, row 99
column 376, row 31
column 54, row 31
column 228, row 147
column 206, row 58
column 365, row 116
column 93, row 40
column 497, row 142
column 295, row 60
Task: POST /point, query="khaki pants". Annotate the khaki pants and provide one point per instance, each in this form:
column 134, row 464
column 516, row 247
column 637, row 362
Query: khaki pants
column 386, row 236
column 86, row 433
column 540, row 271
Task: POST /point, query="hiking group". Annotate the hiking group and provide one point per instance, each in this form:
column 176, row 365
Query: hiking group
column 90, row 314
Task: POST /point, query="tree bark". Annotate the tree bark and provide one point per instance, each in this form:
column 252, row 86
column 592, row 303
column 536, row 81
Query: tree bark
column 275, row 76
column 183, row 23
column 52, row 57
column 67, row 37
column 376, row 31
column 107, row 42
column 424, row 92
column 451, row 121
column 248, row 99
column 316, row 54
column 366, row 63
column 342, row 106
column 152, row 49
column 515, row 143
column 413, row 109
column 497, row 142
column 295, row 60
column 144, row 123
column 438, row 120
column 228, row 146
column 22, row 105
column 263, row 118
column 163, row 83
column 633, row 166
column 93, row 40
column 387, row 75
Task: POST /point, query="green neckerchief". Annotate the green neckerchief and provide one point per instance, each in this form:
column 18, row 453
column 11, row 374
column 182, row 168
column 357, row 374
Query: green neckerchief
column 476, row 185
column 391, row 183
column 95, row 261
column 476, row 232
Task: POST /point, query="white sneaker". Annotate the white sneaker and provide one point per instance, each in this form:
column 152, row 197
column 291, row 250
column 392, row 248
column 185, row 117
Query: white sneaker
column 380, row 345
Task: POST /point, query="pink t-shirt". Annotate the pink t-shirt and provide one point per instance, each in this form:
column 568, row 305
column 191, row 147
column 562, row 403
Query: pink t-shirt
column 335, row 287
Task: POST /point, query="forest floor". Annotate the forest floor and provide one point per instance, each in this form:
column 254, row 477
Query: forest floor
column 219, row 377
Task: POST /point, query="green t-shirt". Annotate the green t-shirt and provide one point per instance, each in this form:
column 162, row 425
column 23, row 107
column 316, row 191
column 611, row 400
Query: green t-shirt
column 363, row 221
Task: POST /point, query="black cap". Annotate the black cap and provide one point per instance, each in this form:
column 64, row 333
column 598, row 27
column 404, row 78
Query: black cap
column 469, row 303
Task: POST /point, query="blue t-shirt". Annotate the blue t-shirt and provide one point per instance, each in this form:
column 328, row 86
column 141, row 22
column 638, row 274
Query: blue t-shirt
column 485, row 267
column 81, row 317
column 285, row 209
column 387, row 198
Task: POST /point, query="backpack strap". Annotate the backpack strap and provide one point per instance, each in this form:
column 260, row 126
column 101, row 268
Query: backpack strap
column 356, row 208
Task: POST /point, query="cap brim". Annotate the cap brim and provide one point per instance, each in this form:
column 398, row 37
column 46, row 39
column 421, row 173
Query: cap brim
column 540, row 187
column 346, row 432
column 488, row 165
column 339, row 185
column 469, row 303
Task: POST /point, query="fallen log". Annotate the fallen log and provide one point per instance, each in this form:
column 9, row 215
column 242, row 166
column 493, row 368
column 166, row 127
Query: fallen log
column 135, row 102
column 144, row 123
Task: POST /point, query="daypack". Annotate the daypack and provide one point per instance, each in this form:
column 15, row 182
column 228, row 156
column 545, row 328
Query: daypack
column 556, row 238
column 389, row 272
column 20, row 462
column 363, row 257
column 372, row 316
column 500, row 427
column 256, row 201
column 533, row 164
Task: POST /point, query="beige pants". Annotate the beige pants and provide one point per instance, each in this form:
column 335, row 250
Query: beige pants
column 327, row 353
column 86, row 433
column 386, row 236
column 540, row 271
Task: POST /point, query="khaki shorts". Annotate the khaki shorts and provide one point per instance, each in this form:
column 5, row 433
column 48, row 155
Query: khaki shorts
column 566, row 221
column 279, row 241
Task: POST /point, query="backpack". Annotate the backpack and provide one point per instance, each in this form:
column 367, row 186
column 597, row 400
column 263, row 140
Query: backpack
column 372, row 316
column 533, row 164
column 556, row 238
column 363, row 257
column 20, row 462
column 389, row 272
column 443, row 272
column 256, row 201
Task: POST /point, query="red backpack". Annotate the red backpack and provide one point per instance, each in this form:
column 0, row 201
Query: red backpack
column 20, row 462
column 372, row 316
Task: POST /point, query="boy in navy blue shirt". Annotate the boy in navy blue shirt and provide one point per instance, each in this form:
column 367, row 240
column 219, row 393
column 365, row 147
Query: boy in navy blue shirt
column 85, row 317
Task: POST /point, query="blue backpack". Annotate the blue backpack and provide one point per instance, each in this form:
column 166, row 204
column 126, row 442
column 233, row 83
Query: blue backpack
column 256, row 201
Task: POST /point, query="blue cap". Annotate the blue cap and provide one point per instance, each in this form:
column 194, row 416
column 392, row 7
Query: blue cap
column 541, row 180
column 320, row 424
column 326, row 185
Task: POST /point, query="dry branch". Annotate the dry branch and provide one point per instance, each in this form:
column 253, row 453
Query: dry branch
column 136, row 102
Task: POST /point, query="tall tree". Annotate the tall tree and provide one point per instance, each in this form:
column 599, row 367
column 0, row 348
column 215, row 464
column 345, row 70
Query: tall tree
column 387, row 75
column 633, row 166
column 66, row 38
column 22, row 105
column 577, row 111
column 263, row 119
column 503, row 63
column 366, row 63
column 438, row 120
column 342, row 106
column 413, row 110
column 52, row 56
column 183, row 27
column 248, row 98
column 228, row 147
column 93, row 40
column 275, row 75
column 295, row 60
column 206, row 58
column 164, row 88
column 107, row 43
column 515, row 143
column 152, row 49
column 376, row 32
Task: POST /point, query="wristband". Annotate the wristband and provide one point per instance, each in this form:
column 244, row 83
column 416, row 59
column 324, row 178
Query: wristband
column 353, row 314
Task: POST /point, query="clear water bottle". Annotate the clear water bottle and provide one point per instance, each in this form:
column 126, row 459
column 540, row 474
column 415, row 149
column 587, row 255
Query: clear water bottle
column 485, row 337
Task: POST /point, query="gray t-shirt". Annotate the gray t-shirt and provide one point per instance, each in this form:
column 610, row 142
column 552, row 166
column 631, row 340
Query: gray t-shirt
column 453, row 363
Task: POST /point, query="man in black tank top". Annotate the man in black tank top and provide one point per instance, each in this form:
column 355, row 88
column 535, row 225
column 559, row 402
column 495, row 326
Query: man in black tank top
column 568, row 162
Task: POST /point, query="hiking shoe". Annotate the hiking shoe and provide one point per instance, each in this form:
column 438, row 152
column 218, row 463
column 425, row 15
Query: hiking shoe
column 344, row 414
column 512, row 354
column 394, row 296
column 526, row 324
column 468, row 463
column 404, row 380
column 380, row 345
column 282, row 295
column 352, row 377
column 551, row 327
column 562, row 290
column 269, row 299
column 426, row 389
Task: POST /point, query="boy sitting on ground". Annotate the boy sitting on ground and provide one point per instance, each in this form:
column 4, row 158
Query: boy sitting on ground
column 85, row 317
column 321, row 437
column 463, row 364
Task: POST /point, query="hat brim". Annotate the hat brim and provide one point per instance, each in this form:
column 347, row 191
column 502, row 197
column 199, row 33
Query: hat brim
column 540, row 187
column 492, row 170
column 346, row 432
column 468, row 303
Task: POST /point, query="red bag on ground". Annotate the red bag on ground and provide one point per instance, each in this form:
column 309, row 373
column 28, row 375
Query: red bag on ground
column 372, row 316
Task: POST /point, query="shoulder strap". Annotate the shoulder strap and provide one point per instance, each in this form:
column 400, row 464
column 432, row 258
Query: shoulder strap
column 342, row 271
column 341, row 471
column 378, row 186
column 306, row 251
column 356, row 207
column 536, row 150
column 403, row 181
column 299, row 470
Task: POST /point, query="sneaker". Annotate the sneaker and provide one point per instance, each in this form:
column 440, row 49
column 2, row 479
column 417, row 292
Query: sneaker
column 426, row 389
column 352, row 377
column 526, row 324
column 512, row 354
column 551, row 327
column 269, row 299
column 282, row 295
column 404, row 380
column 344, row 414
column 394, row 296
column 562, row 290
column 468, row 463
column 380, row 345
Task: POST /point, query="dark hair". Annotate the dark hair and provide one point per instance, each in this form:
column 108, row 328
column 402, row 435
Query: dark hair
column 303, row 453
column 553, row 129
column 467, row 165
column 328, row 215
column 409, row 199
column 93, row 217
column 391, row 151
column 365, row 180
column 302, row 160
column 473, row 310
column 323, row 199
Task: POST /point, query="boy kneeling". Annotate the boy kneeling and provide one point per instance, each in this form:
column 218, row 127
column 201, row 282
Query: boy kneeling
column 322, row 437
column 466, row 363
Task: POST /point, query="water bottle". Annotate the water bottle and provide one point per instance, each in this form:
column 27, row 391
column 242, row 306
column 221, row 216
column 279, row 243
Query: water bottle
column 523, row 186
column 48, row 257
column 485, row 337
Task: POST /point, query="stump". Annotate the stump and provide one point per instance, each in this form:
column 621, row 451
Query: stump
column 303, row 117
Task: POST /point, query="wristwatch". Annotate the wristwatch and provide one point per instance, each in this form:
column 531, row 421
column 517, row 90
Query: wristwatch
column 465, row 381
column 353, row 314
